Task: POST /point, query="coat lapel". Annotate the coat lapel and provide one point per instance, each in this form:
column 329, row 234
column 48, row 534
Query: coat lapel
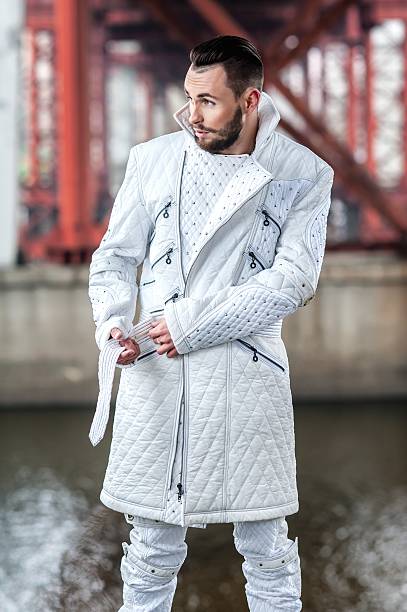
column 249, row 179
column 247, row 182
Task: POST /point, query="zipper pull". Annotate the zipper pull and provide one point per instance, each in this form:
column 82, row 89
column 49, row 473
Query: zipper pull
column 265, row 221
column 165, row 213
column 180, row 491
column 173, row 297
column 252, row 263
column 168, row 258
column 255, row 358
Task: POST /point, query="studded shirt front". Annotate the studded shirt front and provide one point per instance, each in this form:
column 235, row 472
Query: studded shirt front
column 205, row 176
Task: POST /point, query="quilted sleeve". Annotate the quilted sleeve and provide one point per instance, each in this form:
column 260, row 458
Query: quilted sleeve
column 112, row 273
column 268, row 295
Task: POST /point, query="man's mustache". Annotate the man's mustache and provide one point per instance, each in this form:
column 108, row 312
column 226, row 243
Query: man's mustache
column 203, row 129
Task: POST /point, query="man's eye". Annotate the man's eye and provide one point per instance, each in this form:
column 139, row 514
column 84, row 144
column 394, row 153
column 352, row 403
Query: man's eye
column 205, row 101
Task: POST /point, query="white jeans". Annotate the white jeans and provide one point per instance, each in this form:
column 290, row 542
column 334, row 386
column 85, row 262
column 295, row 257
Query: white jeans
column 151, row 562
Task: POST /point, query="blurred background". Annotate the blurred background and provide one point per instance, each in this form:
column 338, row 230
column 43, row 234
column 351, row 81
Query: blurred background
column 81, row 82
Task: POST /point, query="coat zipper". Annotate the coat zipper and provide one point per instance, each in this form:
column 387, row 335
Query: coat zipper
column 179, row 485
column 267, row 222
column 240, row 263
column 257, row 352
column 168, row 258
column 252, row 263
column 165, row 214
column 183, row 455
column 173, row 298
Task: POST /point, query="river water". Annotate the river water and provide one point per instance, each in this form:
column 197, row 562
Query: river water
column 61, row 548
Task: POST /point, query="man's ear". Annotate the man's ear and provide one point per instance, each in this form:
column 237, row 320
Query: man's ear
column 251, row 100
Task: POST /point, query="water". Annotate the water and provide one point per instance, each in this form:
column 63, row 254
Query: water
column 61, row 548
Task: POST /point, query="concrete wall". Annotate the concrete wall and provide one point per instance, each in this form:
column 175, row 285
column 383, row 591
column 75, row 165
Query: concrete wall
column 350, row 341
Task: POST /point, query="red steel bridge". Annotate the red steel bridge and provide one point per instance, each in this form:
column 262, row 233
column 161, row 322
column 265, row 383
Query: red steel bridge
column 337, row 70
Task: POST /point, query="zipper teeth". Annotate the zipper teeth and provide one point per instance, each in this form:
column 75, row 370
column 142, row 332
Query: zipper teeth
column 254, row 349
column 183, row 447
column 182, row 411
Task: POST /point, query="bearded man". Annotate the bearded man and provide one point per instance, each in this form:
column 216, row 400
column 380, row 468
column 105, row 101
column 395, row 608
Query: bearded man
column 228, row 217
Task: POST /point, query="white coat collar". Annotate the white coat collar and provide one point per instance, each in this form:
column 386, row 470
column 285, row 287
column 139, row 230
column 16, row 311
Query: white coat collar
column 268, row 120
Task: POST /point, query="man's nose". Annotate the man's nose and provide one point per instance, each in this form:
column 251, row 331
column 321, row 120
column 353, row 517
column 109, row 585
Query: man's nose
column 195, row 115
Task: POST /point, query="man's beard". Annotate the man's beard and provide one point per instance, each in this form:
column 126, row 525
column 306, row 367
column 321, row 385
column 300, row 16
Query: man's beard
column 227, row 136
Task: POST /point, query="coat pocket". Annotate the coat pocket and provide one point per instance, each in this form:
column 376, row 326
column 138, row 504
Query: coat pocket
column 165, row 254
column 260, row 354
column 163, row 218
column 261, row 246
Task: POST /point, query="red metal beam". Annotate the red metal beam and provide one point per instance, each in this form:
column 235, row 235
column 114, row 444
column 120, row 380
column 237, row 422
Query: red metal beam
column 292, row 27
column 370, row 120
column 73, row 122
column 370, row 192
column 327, row 19
column 352, row 34
column 404, row 179
column 164, row 13
column 219, row 18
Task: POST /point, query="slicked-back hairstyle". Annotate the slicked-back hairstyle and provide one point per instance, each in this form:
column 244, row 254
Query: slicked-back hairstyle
column 239, row 57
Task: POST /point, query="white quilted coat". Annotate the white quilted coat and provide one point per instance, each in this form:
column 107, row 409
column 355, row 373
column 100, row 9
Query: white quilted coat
column 223, row 406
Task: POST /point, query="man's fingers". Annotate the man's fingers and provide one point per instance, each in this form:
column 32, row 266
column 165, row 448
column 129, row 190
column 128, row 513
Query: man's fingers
column 127, row 357
column 163, row 348
column 163, row 339
column 127, row 353
column 129, row 343
column 169, row 348
column 156, row 331
column 116, row 333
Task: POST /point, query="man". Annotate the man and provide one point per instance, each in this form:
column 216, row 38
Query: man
column 228, row 217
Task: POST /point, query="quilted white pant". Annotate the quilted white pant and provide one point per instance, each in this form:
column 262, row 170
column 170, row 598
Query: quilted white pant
column 151, row 562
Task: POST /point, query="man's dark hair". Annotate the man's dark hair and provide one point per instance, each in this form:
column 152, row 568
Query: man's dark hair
column 239, row 57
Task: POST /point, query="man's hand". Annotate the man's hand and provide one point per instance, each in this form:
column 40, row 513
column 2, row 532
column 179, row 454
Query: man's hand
column 160, row 334
column 131, row 348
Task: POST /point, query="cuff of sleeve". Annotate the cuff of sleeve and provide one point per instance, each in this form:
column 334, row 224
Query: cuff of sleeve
column 176, row 332
column 102, row 333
